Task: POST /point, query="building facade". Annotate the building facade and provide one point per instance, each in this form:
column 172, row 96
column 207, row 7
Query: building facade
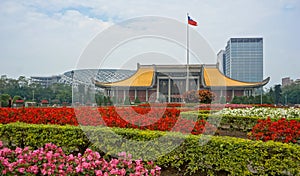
column 286, row 81
column 244, row 59
column 167, row 83
column 221, row 61
column 45, row 81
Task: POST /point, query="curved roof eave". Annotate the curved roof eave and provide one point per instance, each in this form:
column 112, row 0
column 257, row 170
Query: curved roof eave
column 142, row 78
column 212, row 77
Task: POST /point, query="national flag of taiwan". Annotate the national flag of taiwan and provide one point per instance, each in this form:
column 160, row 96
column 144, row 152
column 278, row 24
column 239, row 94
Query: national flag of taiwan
column 192, row 22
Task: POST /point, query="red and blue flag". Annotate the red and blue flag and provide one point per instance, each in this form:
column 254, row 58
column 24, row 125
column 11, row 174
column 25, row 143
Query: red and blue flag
column 192, row 22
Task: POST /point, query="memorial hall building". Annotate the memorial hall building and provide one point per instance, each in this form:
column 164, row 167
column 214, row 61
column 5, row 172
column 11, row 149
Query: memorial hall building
column 169, row 82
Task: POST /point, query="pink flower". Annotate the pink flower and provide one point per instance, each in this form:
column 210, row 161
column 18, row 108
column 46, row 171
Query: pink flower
column 61, row 166
column 152, row 172
column 98, row 173
column 123, row 171
column 18, row 150
column 21, row 170
column 114, row 172
column 114, row 162
column 53, row 161
column 90, row 157
column 4, row 171
column 86, row 165
column 78, row 169
column 33, row 169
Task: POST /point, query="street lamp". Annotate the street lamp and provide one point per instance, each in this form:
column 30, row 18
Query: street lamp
column 285, row 99
column 32, row 95
column 72, row 75
column 261, row 95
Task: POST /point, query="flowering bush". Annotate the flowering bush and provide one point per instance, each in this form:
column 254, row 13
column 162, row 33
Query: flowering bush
column 202, row 96
column 51, row 160
column 221, row 106
column 173, row 105
column 281, row 130
column 123, row 117
column 265, row 105
column 263, row 112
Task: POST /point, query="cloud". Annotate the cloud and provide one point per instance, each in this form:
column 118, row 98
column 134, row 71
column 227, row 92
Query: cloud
column 36, row 43
column 47, row 37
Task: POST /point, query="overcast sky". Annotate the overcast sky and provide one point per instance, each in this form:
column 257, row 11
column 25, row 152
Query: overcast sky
column 43, row 38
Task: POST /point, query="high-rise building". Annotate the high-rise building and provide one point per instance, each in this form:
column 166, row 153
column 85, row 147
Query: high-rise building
column 221, row 61
column 244, row 59
column 286, row 81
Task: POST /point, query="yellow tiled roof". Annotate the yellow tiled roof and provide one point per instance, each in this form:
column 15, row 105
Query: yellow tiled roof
column 214, row 78
column 142, row 78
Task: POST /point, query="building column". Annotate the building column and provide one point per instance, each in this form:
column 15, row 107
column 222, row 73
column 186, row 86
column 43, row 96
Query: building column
column 157, row 90
column 169, row 90
column 113, row 92
column 124, row 95
column 135, row 93
column 221, row 93
column 116, row 96
column 146, row 95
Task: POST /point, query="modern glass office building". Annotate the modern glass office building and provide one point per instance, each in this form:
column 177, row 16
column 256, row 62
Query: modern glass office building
column 243, row 59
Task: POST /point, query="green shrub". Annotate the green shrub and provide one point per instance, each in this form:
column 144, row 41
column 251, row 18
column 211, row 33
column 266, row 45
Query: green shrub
column 137, row 100
column 105, row 101
column 227, row 122
column 196, row 153
column 69, row 137
column 127, row 101
column 4, row 98
column 110, row 101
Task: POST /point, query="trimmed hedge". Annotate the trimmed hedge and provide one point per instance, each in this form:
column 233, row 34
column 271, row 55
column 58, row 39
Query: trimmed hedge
column 220, row 154
column 71, row 138
column 228, row 122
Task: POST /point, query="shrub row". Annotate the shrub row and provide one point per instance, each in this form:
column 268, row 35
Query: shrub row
column 186, row 153
column 228, row 122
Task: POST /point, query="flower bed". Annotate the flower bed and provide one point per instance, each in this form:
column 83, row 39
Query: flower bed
column 125, row 117
column 281, row 130
column 263, row 112
column 221, row 106
column 173, row 105
column 230, row 155
column 51, row 160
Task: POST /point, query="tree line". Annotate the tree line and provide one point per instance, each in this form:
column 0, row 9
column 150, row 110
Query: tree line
column 22, row 89
column 287, row 95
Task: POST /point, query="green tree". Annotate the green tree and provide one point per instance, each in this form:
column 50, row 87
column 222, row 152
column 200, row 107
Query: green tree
column 127, row 101
column 277, row 94
column 99, row 97
column 137, row 100
column 17, row 97
column 105, row 102
column 291, row 94
column 4, row 100
column 109, row 101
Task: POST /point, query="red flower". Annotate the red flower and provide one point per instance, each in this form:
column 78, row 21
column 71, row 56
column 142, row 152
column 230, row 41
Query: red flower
column 282, row 130
column 123, row 117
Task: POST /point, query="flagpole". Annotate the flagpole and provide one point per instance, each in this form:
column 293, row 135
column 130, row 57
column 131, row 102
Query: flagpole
column 187, row 55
